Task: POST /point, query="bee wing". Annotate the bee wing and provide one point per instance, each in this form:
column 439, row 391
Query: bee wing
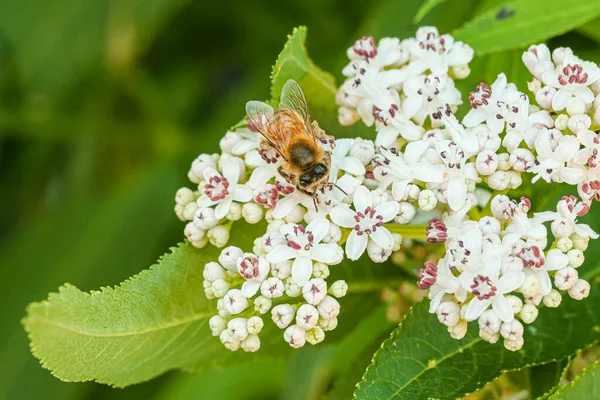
column 293, row 99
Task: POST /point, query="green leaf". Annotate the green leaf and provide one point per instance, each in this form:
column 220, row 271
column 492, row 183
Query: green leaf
column 523, row 22
column 585, row 386
column 425, row 8
column 421, row 360
column 591, row 30
column 543, row 379
column 293, row 63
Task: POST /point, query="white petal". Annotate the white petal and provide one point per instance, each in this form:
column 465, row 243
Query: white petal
column 363, row 198
column 555, row 259
column 209, row 173
column 388, row 210
column 260, row 176
column 284, row 206
column 356, row 245
column 383, row 238
column 231, row 171
column 475, row 308
column 510, row 282
column 387, row 136
column 457, row 193
column 204, row 201
column 319, row 228
column 353, row 166
column 301, row 270
column 342, row 215
column 544, row 282
column 330, row 253
column 222, row 209
column 585, row 93
column 584, row 230
column 414, row 150
column 426, row 172
column 249, row 289
column 398, row 189
column 436, row 300
column 466, row 280
column 280, row 254
column 503, row 308
column 242, row 193
column 560, row 99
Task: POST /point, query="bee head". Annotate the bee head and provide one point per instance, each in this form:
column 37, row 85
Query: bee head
column 317, row 173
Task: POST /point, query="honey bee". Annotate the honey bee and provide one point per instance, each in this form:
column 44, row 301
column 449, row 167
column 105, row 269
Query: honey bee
column 291, row 134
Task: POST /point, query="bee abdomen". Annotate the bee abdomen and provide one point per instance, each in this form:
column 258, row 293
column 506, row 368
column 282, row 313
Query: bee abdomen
column 302, row 155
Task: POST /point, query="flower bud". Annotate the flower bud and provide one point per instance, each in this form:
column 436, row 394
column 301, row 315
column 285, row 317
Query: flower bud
column 534, row 86
column 227, row 158
column 528, row 313
column 580, row 290
column 397, row 241
column 486, row 162
column 544, row 97
column 561, row 228
column 217, row 324
column 512, row 330
column 314, row 291
column 576, row 258
column 235, row 212
column 377, row 253
column 229, row 258
column 250, row 344
column 578, row 123
column 252, row 213
column 275, row 225
column 363, row 150
column 459, row 330
column 213, row 271
column 228, row 341
column 515, row 302
column 499, row 180
column 461, row 71
column 552, row 299
column 512, row 264
column 575, row 106
column 427, row 200
column 295, row 215
column 307, row 316
column 338, row 288
column 282, row 315
column 560, row 54
column 238, row 328
column 561, row 122
column 234, row 302
column 189, row 211
column 204, row 218
column 320, row 270
column 565, row 278
column 580, row 242
column 334, row 234
column 347, row 116
column 521, row 159
column 489, row 225
column 564, row 244
column 315, row 335
column 220, row 288
column 597, row 116
column 228, row 141
column 272, row 288
column 184, row 196
column 283, row 270
column 328, row 324
column 200, row 164
column 291, row 288
column 179, row 211
column 489, row 337
column 254, row 325
column 295, row 336
column 194, row 234
column 489, row 322
column 262, row 304
column 406, row 214
column 329, row 308
column 514, row 345
column 530, row 286
column 499, row 206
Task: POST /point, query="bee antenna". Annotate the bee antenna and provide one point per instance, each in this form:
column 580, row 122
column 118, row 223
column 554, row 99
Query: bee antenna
column 315, row 203
column 340, row 189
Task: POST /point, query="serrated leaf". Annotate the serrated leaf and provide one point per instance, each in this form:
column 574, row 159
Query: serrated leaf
column 585, row 386
column 420, row 360
column 293, row 63
column 523, row 22
column 543, row 379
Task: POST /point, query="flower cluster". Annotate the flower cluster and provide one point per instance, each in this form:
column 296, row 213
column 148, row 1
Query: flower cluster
column 424, row 165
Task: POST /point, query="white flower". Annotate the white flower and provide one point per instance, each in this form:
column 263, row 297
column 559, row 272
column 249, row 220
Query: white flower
column 329, row 308
column 255, row 325
column 568, row 209
column 401, row 169
column 213, row 271
column 425, row 94
column 272, row 288
column 512, row 330
column 235, row 302
column 550, row 164
column 223, row 190
column 393, row 120
column 489, row 322
column 388, row 52
column 566, row 278
column 217, row 324
column 537, row 60
column 580, row 290
column 572, row 79
column 366, row 221
column 457, row 171
column 303, row 245
column 363, row 150
column 341, row 161
column 490, row 288
column 338, row 288
column 539, row 264
column 434, row 52
column 238, row 328
column 448, row 313
column 445, row 283
column 201, row 163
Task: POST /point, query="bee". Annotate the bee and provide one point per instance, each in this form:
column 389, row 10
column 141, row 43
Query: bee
column 290, row 133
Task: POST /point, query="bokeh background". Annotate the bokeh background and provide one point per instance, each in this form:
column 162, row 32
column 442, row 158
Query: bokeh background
column 103, row 105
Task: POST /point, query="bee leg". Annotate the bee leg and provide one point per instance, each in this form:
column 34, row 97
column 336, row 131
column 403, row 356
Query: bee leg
column 283, row 173
column 321, row 135
column 312, row 194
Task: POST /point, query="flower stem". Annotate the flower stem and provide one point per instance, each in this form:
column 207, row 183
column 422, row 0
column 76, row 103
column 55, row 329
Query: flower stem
column 372, row 286
column 408, row 231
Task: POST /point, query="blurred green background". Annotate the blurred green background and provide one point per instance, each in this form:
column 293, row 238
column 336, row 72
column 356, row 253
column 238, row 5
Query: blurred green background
column 103, row 106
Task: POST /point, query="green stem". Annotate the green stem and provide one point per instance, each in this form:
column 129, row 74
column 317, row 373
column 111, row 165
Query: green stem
column 372, row 286
column 408, row 231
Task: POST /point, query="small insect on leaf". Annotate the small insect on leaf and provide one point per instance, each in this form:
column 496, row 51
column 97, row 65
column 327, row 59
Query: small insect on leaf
column 505, row 13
